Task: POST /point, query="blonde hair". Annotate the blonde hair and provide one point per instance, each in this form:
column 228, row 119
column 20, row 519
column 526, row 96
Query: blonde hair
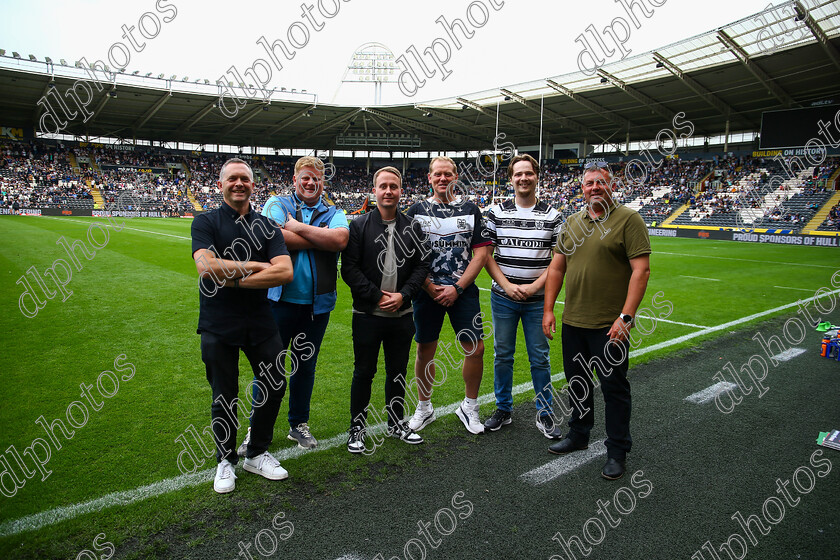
column 309, row 161
column 446, row 159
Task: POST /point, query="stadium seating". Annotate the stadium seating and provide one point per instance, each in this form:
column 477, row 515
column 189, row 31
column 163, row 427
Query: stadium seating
column 730, row 192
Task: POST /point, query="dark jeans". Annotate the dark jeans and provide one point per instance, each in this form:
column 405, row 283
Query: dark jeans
column 221, row 362
column 295, row 320
column 583, row 351
column 394, row 335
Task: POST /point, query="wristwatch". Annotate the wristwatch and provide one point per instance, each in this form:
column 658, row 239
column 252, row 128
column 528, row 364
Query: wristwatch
column 626, row 318
column 458, row 289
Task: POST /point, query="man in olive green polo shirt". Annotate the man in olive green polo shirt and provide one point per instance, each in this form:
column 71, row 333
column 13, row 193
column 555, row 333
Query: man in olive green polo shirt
column 603, row 253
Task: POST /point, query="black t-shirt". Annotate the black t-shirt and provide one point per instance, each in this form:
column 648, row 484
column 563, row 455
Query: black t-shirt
column 240, row 315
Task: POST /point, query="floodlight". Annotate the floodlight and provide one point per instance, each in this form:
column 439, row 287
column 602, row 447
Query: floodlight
column 32, row 57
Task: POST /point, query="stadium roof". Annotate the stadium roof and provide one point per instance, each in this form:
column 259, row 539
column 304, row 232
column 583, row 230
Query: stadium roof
column 781, row 58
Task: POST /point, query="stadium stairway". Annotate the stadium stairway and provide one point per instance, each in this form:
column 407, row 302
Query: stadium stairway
column 821, row 214
column 98, row 201
column 667, row 221
column 74, row 164
column 185, row 165
column 193, row 201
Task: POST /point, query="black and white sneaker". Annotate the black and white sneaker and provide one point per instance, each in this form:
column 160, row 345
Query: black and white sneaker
column 469, row 416
column 403, row 432
column 548, row 427
column 356, row 441
column 497, row 420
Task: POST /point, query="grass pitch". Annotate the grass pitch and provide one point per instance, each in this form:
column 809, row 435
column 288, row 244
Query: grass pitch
column 135, row 301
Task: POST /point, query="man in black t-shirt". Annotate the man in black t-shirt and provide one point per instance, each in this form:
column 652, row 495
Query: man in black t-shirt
column 239, row 254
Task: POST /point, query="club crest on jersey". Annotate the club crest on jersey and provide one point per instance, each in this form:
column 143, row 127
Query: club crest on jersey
column 462, row 223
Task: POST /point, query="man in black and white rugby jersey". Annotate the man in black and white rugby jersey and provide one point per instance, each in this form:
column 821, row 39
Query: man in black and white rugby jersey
column 459, row 250
column 523, row 230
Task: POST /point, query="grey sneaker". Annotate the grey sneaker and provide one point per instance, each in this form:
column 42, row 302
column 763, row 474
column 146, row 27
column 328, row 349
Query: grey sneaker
column 548, row 427
column 301, row 435
column 497, row 420
column 356, row 441
column 243, row 449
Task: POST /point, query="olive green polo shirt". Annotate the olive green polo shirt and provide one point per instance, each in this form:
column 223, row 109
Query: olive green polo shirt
column 598, row 254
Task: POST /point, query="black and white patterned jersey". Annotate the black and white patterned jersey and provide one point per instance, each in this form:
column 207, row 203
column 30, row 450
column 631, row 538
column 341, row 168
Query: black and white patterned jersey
column 454, row 230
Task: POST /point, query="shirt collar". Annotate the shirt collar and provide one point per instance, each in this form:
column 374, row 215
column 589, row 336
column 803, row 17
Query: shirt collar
column 227, row 209
column 301, row 204
column 609, row 211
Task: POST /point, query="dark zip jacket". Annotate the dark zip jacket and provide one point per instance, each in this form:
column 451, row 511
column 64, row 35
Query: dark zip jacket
column 362, row 260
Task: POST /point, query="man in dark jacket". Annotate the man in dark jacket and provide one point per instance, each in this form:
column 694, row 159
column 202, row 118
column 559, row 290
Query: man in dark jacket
column 385, row 265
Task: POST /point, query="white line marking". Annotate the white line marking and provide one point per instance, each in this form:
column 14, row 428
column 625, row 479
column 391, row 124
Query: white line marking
column 350, row 556
column 724, row 326
column 744, row 260
column 565, row 464
column 709, row 393
column 700, row 278
column 788, row 354
column 800, row 289
column 53, row 516
column 674, row 322
column 122, row 228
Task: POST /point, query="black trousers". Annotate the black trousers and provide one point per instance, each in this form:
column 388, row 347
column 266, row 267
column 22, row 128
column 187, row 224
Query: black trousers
column 394, row 335
column 221, row 360
column 585, row 350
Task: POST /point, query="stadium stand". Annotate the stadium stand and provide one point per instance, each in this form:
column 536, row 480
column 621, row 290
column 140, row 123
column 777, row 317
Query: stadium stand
column 719, row 193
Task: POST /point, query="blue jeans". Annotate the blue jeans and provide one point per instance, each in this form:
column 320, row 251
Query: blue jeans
column 506, row 317
column 304, row 332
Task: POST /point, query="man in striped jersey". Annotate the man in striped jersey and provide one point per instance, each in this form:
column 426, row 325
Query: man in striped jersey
column 523, row 231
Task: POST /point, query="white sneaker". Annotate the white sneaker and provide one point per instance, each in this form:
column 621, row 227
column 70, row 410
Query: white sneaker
column 422, row 418
column 267, row 466
column 469, row 416
column 225, row 480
